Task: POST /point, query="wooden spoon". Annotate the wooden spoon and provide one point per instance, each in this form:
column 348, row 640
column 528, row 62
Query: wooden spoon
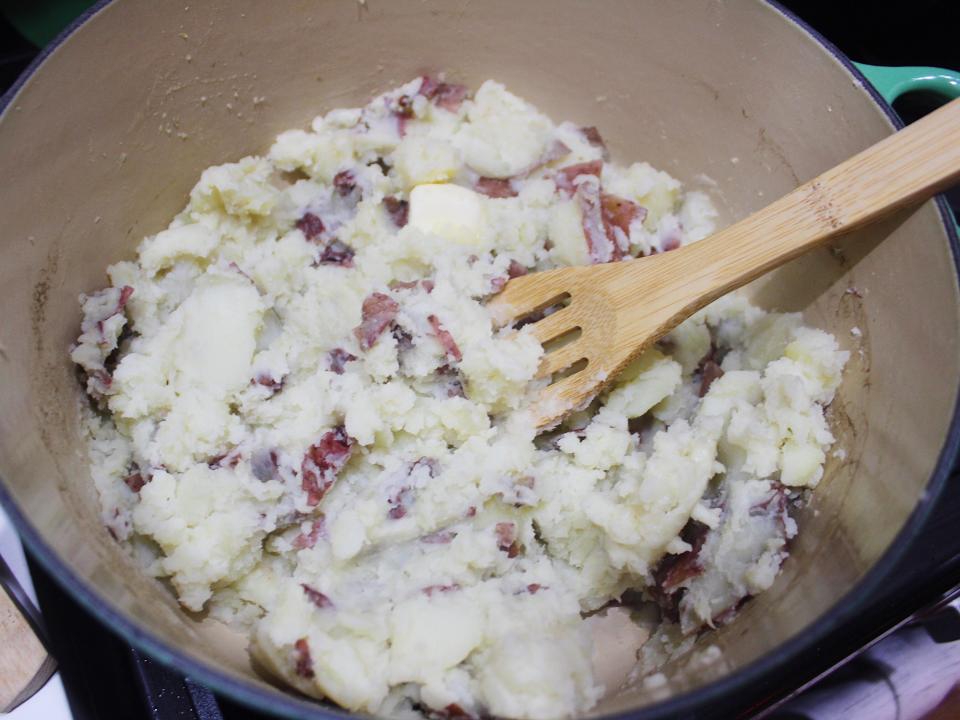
column 621, row 308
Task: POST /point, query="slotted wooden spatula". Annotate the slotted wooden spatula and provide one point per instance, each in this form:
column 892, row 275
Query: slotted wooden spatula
column 621, row 308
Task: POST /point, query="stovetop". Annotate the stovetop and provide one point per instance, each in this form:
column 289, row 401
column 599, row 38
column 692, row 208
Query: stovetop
column 105, row 678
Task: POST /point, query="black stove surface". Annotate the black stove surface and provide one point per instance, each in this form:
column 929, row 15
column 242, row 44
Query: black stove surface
column 105, row 678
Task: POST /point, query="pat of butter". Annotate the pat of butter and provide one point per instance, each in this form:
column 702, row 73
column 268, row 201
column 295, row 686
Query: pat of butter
column 450, row 211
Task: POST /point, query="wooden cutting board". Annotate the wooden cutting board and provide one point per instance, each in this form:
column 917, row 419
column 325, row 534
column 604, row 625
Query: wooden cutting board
column 25, row 664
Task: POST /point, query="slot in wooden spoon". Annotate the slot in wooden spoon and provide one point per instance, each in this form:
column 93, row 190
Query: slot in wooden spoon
column 621, row 308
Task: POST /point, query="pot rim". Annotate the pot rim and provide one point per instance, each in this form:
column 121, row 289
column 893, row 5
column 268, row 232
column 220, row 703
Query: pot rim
column 765, row 666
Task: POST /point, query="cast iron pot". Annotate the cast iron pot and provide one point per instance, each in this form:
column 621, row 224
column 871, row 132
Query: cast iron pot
column 103, row 138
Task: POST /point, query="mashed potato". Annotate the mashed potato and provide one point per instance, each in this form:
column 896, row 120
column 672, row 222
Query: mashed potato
column 306, row 420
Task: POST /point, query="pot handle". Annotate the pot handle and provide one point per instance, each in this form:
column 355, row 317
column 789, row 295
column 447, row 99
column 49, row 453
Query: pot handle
column 892, row 82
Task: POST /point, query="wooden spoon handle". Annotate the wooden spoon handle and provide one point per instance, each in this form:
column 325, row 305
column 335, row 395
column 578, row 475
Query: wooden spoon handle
column 909, row 166
column 25, row 664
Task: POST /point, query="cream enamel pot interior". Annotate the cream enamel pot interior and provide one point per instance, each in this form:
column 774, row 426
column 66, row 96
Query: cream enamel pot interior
column 106, row 136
